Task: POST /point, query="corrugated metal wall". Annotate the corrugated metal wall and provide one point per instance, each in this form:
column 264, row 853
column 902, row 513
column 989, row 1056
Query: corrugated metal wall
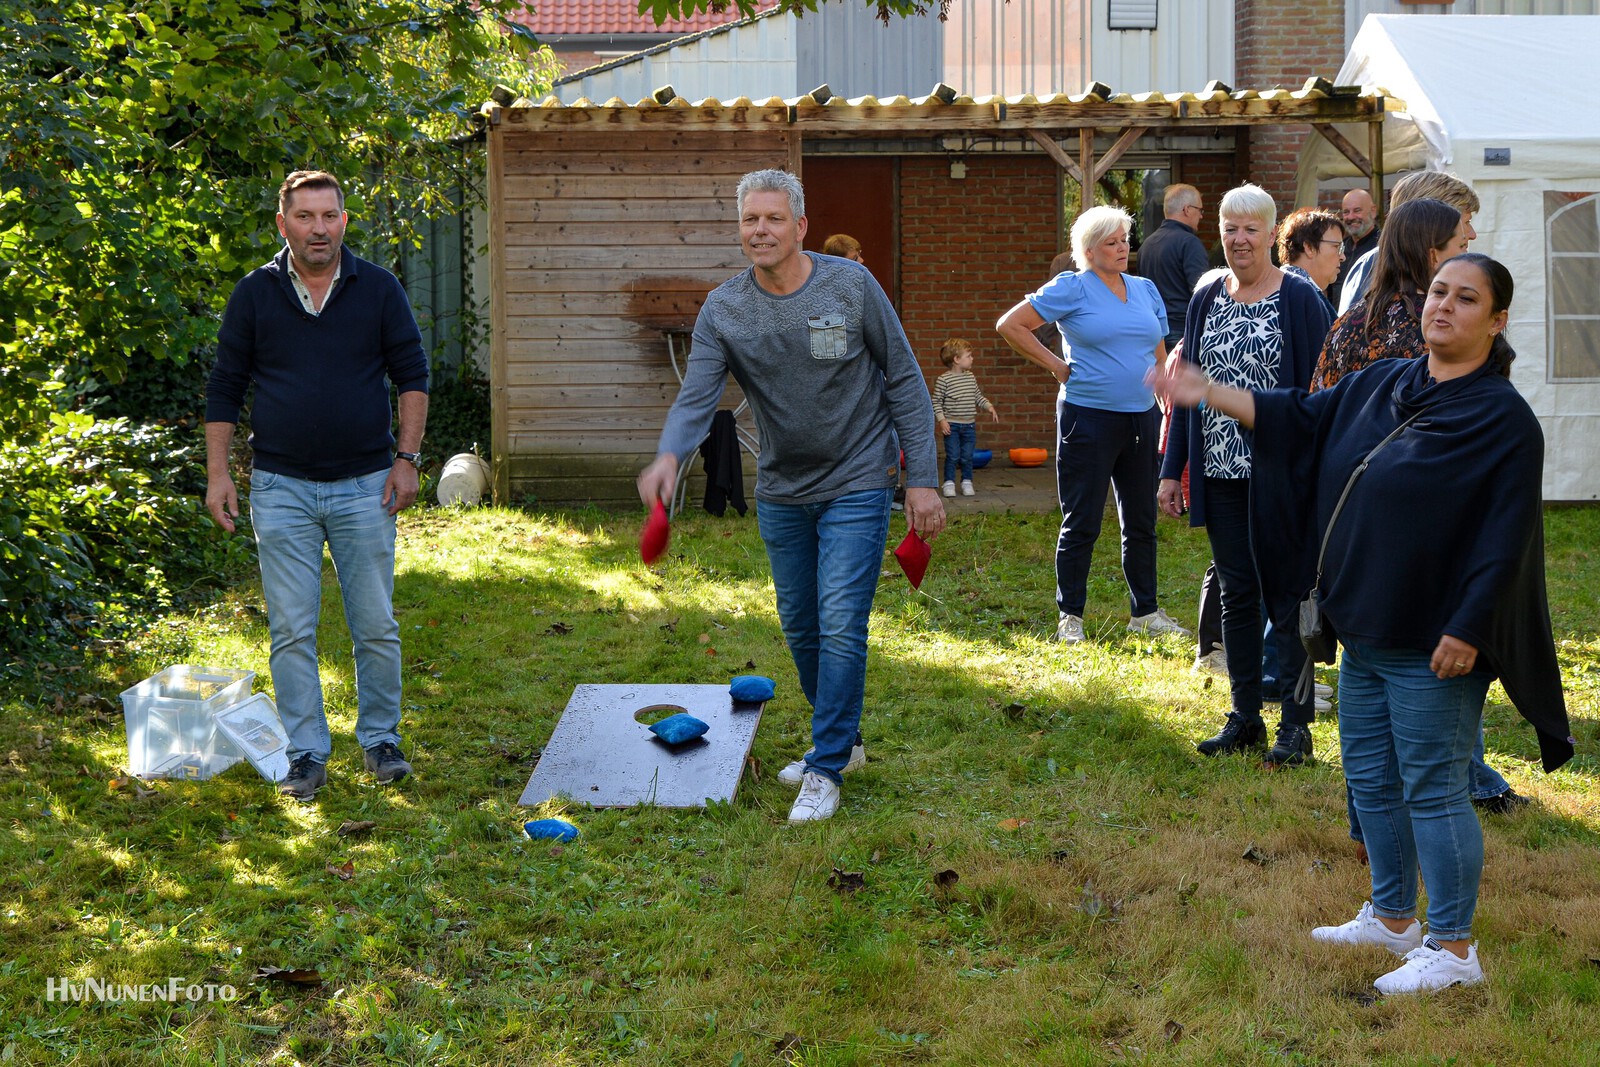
column 845, row 46
column 1045, row 46
column 1357, row 10
column 1192, row 44
column 755, row 60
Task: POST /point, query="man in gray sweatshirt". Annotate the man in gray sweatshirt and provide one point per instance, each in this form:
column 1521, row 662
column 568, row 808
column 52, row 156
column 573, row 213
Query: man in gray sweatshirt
column 816, row 347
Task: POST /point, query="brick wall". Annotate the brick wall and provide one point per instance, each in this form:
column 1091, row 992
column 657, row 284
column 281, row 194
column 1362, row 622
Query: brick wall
column 969, row 249
column 1282, row 45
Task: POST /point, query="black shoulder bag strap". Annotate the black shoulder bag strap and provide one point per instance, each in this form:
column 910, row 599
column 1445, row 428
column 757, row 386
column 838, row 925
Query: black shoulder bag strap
column 1310, row 620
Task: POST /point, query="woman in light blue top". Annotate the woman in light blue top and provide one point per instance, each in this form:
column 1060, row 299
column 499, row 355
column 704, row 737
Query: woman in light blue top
column 1114, row 325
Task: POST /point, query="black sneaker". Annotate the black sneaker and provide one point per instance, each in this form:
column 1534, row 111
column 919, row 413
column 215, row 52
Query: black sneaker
column 1237, row 733
column 305, row 777
column 387, row 763
column 1507, row 803
column 1293, row 746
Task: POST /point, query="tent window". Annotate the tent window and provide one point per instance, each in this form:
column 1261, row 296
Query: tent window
column 1572, row 231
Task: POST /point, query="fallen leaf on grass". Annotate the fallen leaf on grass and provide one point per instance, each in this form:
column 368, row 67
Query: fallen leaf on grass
column 704, row 639
column 787, row 1048
column 116, row 783
column 558, row 628
column 1014, row 710
column 1320, row 866
column 288, row 975
column 846, row 882
column 1012, row 824
column 946, row 878
column 344, row 872
column 349, row 828
column 1255, row 855
column 1186, row 894
column 1174, row 1031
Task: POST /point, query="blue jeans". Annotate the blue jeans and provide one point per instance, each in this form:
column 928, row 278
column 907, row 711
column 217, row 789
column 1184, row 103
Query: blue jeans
column 1228, row 527
column 825, row 562
column 1483, row 782
column 958, row 446
column 293, row 518
column 1407, row 739
column 1095, row 449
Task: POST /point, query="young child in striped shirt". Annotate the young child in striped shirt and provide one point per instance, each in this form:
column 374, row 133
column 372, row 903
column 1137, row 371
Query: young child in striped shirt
column 956, row 403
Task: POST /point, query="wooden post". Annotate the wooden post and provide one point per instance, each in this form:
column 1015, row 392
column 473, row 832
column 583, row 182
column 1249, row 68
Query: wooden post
column 499, row 417
column 1375, row 155
column 1086, row 165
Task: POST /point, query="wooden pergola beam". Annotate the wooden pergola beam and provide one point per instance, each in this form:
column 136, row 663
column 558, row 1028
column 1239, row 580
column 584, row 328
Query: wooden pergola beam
column 1342, row 143
column 1057, row 153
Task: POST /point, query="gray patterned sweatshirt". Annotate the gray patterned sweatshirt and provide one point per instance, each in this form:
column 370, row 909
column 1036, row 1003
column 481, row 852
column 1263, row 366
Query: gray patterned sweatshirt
column 830, row 377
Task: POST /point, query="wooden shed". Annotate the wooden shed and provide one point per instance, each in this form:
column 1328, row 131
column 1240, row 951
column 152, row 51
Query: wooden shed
column 609, row 223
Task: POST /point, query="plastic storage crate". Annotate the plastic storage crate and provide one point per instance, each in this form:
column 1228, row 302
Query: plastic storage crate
column 172, row 732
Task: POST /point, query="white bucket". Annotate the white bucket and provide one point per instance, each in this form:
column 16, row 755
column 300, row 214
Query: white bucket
column 464, row 481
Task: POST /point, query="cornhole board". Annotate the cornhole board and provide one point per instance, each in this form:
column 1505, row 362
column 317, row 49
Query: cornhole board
column 602, row 755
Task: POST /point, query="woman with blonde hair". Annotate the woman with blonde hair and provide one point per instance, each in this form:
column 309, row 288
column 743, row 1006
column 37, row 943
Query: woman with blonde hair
column 1114, row 325
column 1253, row 327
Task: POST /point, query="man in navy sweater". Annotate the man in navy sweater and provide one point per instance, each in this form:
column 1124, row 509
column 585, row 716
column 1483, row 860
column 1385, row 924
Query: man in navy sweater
column 322, row 334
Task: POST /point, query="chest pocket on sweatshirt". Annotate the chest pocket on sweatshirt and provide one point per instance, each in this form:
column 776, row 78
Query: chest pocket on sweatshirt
column 828, row 339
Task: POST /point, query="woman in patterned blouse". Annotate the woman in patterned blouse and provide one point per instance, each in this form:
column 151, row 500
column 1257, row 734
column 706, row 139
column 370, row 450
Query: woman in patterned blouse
column 1255, row 327
column 1387, row 324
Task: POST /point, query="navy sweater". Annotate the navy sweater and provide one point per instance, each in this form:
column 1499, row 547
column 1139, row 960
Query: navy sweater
column 1443, row 533
column 321, row 408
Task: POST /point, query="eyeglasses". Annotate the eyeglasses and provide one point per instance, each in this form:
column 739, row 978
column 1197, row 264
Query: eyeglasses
column 1335, row 242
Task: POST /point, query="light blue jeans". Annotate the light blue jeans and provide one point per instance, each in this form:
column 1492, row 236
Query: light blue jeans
column 825, row 562
column 1407, row 739
column 293, row 519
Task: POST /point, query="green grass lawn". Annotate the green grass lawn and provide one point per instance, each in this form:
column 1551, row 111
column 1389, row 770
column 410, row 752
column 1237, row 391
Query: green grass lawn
column 1049, row 873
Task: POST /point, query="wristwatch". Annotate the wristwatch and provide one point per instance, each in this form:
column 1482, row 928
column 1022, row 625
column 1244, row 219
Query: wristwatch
column 413, row 458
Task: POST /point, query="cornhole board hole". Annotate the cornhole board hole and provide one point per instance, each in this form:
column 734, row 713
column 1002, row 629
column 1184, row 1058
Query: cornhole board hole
column 602, row 754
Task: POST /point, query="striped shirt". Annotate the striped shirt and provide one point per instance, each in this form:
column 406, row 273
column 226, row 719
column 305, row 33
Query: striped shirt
column 957, row 398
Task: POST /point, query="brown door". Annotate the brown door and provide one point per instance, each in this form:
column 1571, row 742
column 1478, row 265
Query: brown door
column 854, row 195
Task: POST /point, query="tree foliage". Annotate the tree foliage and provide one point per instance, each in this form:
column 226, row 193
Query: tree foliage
column 146, row 138
column 662, row 10
column 139, row 162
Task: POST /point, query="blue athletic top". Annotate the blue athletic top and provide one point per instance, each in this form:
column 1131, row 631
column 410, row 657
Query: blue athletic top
column 1112, row 344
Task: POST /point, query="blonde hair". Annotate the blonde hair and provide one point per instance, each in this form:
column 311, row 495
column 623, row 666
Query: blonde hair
column 1094, row 226
column 842, row 245
column 1248, row 202
column 953, row 348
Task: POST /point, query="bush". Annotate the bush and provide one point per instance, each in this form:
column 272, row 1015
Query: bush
column 101, row 519
column 458, row 415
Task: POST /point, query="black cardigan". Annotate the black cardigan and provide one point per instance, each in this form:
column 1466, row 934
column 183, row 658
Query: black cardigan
column 1304, row 317
column 1443, row 534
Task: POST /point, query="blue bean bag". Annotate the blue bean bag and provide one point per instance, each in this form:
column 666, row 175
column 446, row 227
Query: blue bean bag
column 554, row 829
column 676, row 729
column 751, row 687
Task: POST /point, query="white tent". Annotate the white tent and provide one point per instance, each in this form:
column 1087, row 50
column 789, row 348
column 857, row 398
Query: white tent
column 1506, row 104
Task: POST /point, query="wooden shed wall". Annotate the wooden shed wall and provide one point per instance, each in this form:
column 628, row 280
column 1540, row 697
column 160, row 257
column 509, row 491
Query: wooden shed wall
column 600, row 243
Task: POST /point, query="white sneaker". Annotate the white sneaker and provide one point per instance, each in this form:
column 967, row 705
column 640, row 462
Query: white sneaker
column 1431, row 967
column 1367, row 929
column 1157, row 622
column 1213, row 662
column 1069, row 630
column 794, row 772
column 949, row 488
column 818, row 799
column 966, row 488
